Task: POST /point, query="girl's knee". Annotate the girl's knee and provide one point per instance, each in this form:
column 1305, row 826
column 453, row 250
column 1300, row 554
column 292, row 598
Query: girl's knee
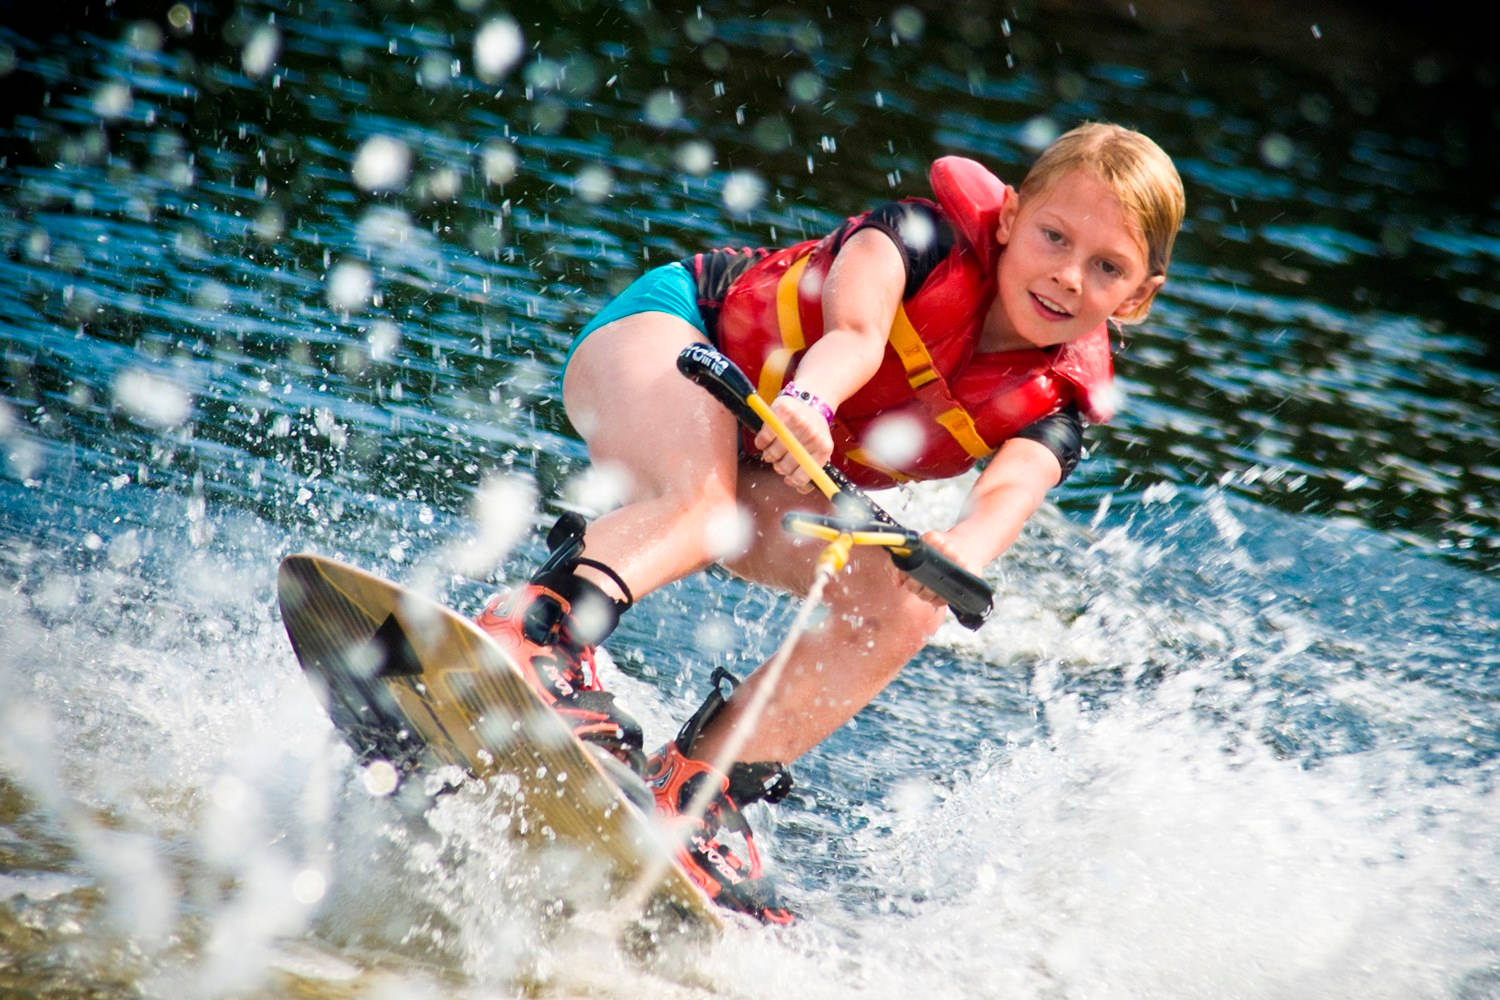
column 706, row 526
column 725, row 528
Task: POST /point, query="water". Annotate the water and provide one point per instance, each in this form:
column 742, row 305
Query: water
column 300, row 276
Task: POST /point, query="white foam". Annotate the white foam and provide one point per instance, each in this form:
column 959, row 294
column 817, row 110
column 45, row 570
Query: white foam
column 1151, row 842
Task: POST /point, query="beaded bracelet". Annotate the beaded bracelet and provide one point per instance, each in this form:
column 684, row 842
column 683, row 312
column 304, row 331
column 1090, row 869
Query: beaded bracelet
column 790, row 389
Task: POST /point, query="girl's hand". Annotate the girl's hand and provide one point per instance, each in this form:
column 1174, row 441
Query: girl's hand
column 810, row 427
column 860, row 297
column 939, row 541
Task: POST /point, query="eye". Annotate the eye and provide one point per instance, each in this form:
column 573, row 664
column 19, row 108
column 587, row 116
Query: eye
column 1051, row 235
column 1110, row 268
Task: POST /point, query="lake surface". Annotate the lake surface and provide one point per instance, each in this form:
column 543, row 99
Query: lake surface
column 300, row 276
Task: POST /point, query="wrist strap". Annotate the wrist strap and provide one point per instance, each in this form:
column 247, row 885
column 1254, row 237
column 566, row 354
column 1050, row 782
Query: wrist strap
column 790, row 389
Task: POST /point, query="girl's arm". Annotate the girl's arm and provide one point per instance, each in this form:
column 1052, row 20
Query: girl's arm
column 860, row 298
column 1008, row 492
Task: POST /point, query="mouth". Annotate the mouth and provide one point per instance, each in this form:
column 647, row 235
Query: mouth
column 1049, row 308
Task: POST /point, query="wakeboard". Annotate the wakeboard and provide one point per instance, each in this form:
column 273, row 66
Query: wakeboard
column 408, row 682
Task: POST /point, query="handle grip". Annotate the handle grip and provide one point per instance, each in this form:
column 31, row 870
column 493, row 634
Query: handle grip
column 969, row 597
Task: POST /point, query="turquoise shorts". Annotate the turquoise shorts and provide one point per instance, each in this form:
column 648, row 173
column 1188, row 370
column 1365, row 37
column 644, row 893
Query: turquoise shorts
column 669, row 289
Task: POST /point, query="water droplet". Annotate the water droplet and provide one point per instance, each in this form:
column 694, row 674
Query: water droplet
column 350, row 286
column 143, row 36
column 728, row 532
column 917, row 230
column 1316, row 108
column 502, row 512
column 38, row 245
column 544, row 74
column 1038, row 133
column 894, row 440
column 715, row 634
column 260, row 51
column 382, row 164
column 662, row 109
column 805, row 87
column 151, row 399
column 435, row 70
column 379, row 778
column 695, row 157
column 743, row 191
column 908, row 23
column 601, row 487
column 497, row 46
column 383, row 339
column 269, row 224
column 308, row 886
column 211, row 296
column 698, row 28
column 499, row 162
column 442, row 184
column 385, row 227
column 594, row 183
column 1277, row 150
column 112, row 101
column 180, row 18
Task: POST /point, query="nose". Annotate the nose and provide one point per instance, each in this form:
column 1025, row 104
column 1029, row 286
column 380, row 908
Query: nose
column 1069, row 275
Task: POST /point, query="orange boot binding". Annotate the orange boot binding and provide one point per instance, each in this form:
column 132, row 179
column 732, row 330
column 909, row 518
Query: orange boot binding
column 717, row 850
column 538, row 626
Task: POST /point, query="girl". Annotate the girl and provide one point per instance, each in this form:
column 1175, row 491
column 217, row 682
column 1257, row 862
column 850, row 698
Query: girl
column 975, row 323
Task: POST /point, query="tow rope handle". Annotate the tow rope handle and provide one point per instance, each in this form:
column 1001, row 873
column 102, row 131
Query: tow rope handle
column 968, row 596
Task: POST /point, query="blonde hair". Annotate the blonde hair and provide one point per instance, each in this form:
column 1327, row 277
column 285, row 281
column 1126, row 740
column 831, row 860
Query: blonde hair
column 1139, row 173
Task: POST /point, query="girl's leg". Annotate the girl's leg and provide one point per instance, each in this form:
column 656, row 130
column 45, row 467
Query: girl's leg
column 675, row 444
column 874, row 627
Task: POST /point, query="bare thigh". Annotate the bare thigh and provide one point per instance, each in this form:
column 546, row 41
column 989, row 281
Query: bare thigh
column 676, row 447
column 626, row 398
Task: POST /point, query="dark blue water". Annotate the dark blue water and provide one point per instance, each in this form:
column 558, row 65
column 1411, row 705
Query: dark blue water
column 286, row 277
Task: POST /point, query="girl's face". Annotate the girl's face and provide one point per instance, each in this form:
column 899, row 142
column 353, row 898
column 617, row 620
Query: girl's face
column 1072, row 259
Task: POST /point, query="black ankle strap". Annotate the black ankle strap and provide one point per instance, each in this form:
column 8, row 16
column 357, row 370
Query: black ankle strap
column 629, row 601
column 768, row 780
column 565, row 554
column 704, row 714
column 592, row 614
column 564, row 545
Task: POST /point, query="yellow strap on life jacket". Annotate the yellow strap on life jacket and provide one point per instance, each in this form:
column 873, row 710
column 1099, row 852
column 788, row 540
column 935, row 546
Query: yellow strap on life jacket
column 904, row 340
column 957, row 421
column 789, row 323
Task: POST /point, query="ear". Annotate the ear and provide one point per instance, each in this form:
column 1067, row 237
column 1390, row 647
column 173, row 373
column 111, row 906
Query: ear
column 1138, row 302
column 1007, row 219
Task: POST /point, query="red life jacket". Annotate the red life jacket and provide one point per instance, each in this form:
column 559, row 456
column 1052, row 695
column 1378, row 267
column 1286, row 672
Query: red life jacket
column 966, row 404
